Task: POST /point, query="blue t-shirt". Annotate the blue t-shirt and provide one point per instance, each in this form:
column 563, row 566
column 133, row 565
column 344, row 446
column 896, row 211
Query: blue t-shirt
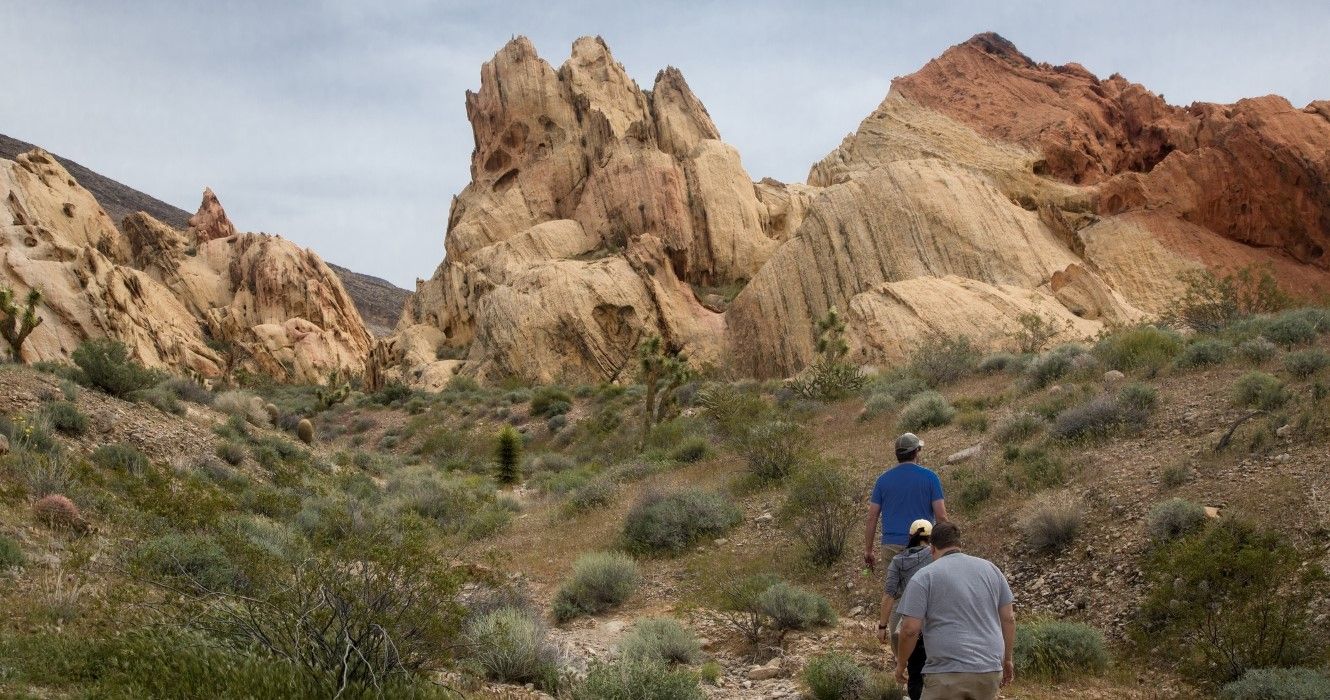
column 906, row 493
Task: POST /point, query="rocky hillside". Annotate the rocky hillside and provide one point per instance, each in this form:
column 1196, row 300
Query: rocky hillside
column 207, row 300
column 986, row 186
column 378, row 301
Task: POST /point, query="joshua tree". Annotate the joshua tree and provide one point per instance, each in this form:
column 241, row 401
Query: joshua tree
column 830, row 377
column 508, row 452
column 663, row 371
column 18, row 324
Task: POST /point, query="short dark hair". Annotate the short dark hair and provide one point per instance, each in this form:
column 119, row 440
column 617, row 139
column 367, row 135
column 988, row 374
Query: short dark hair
column 907, row 456
column 946, row 535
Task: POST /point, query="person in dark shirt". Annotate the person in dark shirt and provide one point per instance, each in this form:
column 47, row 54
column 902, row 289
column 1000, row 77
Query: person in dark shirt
column 917, row 555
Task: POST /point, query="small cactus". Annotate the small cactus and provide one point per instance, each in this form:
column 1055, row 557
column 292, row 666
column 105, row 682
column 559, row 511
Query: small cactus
column 273, row 413
column 305, row 431
column 59, row 512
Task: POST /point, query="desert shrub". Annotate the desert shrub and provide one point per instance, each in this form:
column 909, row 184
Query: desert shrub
column 104, row 364
column 1245, row 593
column 1256, row 350
column 231, row 452
column 1174, row 518
column 637, row 679
column 600, row 581
column 835, row 676
column 1145, row 347
column 941, row 360
column 1260, row 390
column 194, row 561
column 973, row 421
column 1052, row 522
column 1176, row 476
column 1057, row 650
column 1137, row 398
column 43, row 473
column 1037, row 468
column 774, row 449
column 510, row 645
column 1018, row 427
column 1210, row 302
column 1301, row 364
column 450, row 500
column 549, row 462
column 243, row 405
column 1278, row 684
column 1096, row 418
column 828, row 380
column 596, row 492
column 188, row 390
column 488, row 519
column 761, row 604
column 1292, row 328
column 1001, row 362
column 876, row 404
column 669, row 523
column 974, row 493
column 121, row 458
column 926, row 410
column 692, row 449
column 56, row 510
column 731, row 409
column 550, row 401
column 660, row 639
column 11, row 555
column 1047, row 368
column 65, row 417
column 160, row 399
column 1203, row 353
column 391, row 393
column 821, row 508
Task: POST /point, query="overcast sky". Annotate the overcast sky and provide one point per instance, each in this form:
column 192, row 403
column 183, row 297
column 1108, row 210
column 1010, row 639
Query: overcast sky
column 341, row 124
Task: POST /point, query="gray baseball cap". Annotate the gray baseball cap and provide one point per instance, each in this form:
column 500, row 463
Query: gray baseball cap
column 909, row 442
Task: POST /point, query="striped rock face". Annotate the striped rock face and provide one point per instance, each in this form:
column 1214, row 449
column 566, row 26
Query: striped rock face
column 984, row 187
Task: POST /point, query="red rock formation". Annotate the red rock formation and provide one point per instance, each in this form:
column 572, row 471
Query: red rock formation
column 211, row 222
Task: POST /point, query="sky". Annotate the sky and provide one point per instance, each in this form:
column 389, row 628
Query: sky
column 341, row 125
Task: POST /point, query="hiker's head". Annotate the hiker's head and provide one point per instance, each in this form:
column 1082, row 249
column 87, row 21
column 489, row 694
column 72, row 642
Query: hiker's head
column 907, row 447
column 921, row 532
column 945, row 536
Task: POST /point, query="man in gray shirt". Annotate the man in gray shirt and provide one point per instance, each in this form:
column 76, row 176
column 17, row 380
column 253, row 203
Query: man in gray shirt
column 963, row 606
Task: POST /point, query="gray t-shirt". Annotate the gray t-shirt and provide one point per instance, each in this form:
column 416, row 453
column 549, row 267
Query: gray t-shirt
column 958, row 597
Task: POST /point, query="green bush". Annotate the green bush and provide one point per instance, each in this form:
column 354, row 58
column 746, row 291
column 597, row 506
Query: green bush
column 660, row 639
column 1094, row 419
column 1278, row 684
column 195, row 561
column 974, row 493
column 600, row 581
column 1203, row 353
column 65, row 417
column 761, row 604
column 105, row 364
column 668, row 524
column 634, row 679
column 973, row 421
column 835, row 676
column 1048, row 368
column 1246, row 593
column 1051, row 523
column 774, row 449
column 1018, row 427
column 1146, row 347
column 693, row 449
column 1057, row 650
column 160, row 399
column 510, row 645
column 942, row 360
column 926, row 410
column 900, row 385
column 1001, row 362
column 188, row 390
column 732, row 409
column 1174, row 518
column 1292, row 328
column 1257, row 350
column 121, row 458
column 793, row 608
column 550, row 401
column 822, row 509
column 1301, row 364
column 549, row 462
column 11, row 555
column 1137, row 397
column 231, row 452
column 596, row 492
column 1260, row 390
column 1038, row 468
column 876, row 404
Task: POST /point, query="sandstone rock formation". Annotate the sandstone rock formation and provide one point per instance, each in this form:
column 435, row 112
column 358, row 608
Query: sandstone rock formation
column 203, row 301
column 984, row 187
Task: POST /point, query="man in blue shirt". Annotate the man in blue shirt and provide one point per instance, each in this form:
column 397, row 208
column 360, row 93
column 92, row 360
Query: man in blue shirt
column 903, row 494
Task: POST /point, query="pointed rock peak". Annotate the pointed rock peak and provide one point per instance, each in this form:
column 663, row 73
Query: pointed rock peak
column 681, row 119
column 601, row 84
column 590, row 48
column 518, row 49
column 998, row 46
column 211, row 222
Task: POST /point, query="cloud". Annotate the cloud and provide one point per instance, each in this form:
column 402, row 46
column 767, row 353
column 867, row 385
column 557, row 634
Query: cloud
column 341, row 124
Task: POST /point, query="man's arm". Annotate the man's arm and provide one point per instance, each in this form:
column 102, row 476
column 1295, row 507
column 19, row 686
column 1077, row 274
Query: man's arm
column 1008, row 615
column 909, row 638
column 870, row 529
column 939, row 511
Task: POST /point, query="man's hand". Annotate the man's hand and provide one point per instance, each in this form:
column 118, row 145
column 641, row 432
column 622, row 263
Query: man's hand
column 883, row 634
column 1008, row 672
column 902, row 673
column 870, row 561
